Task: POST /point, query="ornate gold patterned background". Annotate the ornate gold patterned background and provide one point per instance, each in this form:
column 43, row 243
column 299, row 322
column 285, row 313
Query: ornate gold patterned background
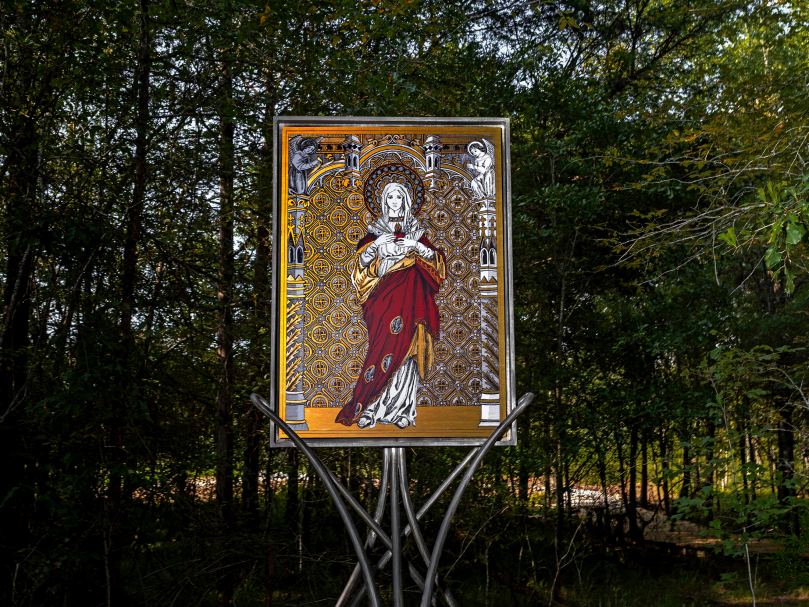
column 335, row 336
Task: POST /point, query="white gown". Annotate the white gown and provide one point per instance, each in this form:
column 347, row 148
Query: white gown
column 396, row 404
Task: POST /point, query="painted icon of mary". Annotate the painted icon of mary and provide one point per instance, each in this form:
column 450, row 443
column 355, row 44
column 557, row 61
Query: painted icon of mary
column 397, row 274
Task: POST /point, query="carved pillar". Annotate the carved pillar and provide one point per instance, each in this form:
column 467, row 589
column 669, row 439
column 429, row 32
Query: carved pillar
column 432, row 160
column 351, row 149
column 295, row 409
column 489, row 330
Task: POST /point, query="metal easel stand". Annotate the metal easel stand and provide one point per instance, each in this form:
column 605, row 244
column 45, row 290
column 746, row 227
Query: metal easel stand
column 394, row 475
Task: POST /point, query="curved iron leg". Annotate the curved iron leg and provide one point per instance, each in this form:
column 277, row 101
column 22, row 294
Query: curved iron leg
column 381, row 500
column 432, row 570
column 408, row 508
column 373, row 592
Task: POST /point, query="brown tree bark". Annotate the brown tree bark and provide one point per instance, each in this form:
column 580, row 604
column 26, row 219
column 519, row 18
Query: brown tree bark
column 116, row 591
column 269, row 579
column 752, row 462
column 710, row 467
column 261, row 294
column 743, row 468
column 291, row 512
column 602, row 475
column 224, row 335
column 632, row 507
column 560, row 436
column 621, row 469
column 644, row 472
column 15, row 481
column 525, row 445
column 664, row 466
column 786, row 467
column 685, row 490
column 20, row 177
column 746, row 435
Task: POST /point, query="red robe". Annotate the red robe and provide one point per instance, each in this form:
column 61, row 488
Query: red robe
column 402, row 300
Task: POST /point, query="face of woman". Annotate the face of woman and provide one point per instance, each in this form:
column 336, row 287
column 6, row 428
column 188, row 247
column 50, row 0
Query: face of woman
column 395, row 200
column 476, row 151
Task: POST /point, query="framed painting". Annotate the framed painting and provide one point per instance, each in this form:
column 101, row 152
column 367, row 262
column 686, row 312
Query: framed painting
column 392, row 317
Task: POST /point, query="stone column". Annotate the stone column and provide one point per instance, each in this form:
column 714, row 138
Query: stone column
column 489, row 330
column 351, row 159
column 294, row 412
column 432, row 160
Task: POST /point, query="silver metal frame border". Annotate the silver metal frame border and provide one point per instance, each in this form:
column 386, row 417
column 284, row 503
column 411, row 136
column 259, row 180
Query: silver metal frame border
column 503, row 124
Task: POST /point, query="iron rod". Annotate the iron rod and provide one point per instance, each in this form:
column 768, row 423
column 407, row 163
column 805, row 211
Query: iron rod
column 408, row 508
column 395, row 532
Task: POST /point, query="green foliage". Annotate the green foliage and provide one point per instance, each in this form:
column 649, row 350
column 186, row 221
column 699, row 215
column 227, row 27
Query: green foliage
column 642, row 134
column 788, row 211
column 791, row 563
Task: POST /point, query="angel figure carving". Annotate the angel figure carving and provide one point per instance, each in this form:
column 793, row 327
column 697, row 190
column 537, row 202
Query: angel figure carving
column 483, row 153
column 302, row 159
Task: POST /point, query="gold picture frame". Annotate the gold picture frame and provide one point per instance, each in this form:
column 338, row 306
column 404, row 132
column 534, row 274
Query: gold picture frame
column 392, row 315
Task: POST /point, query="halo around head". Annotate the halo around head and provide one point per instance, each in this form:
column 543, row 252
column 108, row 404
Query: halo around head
column 393, row 173
column 476, row 144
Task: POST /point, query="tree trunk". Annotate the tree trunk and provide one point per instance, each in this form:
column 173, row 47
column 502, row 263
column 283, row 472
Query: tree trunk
column 560, row 486
column 269, row 580
column 621, row 470
column 546, row 501
column 644, row 472
column 560, row 424
column 20, row 203
column 664, row 466
column 291, row 513
column 568, row 488
column 786, row 466
column 710, row 467
column 116, row 490
column 632, row 511
column 602, row 474
column 15, row 481
column 525, row 446
column 753, row 462
column 224, row 336
column 743, row 468
column 262, row 296
column 685, row 490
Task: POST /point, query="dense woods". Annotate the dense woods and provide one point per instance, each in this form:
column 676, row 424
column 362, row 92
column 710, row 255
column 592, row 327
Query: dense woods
column 660, row 207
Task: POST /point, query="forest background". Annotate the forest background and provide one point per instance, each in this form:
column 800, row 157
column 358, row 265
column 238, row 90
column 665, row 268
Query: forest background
column 660, row 213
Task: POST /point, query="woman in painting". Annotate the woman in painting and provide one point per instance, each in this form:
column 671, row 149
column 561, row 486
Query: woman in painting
column 397, row 274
